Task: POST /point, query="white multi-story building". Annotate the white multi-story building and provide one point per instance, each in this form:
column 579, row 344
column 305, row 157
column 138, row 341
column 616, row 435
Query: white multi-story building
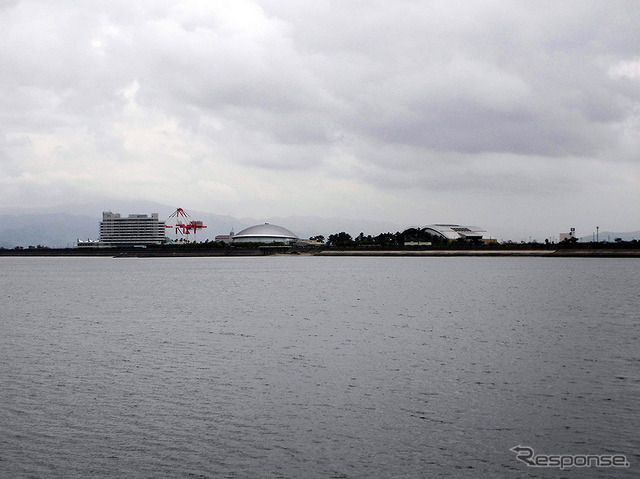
column 134, row 230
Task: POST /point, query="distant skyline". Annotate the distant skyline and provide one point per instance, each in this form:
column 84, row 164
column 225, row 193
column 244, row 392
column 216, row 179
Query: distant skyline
column 519, row 117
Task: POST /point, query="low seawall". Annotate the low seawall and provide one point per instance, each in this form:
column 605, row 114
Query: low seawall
column 436, row 253
column 203, row 252
column 567, row 253
column 131, row 252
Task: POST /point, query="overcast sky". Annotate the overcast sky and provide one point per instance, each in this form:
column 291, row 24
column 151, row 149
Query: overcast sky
column 521, row 117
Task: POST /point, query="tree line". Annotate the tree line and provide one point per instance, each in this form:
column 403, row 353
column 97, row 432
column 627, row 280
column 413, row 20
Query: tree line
column 385, row 240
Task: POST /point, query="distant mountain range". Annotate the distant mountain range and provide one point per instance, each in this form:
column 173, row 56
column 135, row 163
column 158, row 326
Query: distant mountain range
column 56, row 229
column 610, row 236
column 62, row 226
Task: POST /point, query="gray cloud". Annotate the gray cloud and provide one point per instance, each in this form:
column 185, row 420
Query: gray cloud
column 362, row 100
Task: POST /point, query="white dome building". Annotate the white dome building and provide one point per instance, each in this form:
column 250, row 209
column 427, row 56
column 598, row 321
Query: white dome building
column 265, row 233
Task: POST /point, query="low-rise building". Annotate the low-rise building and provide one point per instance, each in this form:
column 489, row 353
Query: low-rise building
column 568, row 236
column 225, row 238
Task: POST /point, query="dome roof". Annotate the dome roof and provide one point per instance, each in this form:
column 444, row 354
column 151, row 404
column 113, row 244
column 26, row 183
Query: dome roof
column 266, row 230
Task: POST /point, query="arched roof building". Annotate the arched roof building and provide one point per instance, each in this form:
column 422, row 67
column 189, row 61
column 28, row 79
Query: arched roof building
column 265, row 233
column 454, row 232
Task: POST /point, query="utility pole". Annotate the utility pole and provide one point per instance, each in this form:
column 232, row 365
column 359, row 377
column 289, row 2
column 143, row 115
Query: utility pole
column 597, row 234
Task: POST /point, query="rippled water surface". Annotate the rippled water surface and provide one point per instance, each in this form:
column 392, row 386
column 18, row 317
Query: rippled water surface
column 316, row 367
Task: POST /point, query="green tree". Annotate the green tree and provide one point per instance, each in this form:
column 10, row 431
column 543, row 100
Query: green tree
column 340, row 239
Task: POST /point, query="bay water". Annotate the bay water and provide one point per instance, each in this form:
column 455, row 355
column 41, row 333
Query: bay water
column 314, row 367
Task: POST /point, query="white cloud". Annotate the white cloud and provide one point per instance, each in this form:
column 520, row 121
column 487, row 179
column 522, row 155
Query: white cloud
column 626, row 68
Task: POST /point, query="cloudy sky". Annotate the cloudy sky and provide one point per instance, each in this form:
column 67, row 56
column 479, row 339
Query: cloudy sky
column 522, row 117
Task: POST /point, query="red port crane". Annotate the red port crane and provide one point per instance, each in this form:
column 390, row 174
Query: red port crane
column 184, row 225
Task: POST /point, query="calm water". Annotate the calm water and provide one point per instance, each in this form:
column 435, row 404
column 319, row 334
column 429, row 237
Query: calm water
column 316, row 367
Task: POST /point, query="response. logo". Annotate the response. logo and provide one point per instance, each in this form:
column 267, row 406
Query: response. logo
column 564, row 461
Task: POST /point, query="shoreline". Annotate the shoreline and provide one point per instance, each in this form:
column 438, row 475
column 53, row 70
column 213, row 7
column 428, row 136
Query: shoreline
column 585, row 253
column 153, row 253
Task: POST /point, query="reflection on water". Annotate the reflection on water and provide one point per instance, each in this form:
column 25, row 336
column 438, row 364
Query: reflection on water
column 315, row 367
